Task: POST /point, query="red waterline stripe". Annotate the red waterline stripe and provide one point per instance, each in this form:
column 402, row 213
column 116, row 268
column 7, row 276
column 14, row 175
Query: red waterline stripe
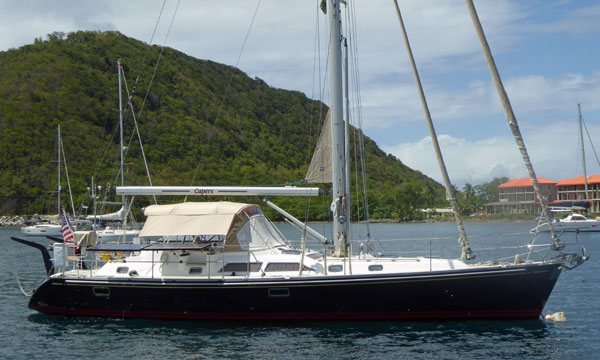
column 481, row 314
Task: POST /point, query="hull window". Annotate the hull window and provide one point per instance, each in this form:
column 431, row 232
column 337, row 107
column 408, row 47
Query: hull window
column 279, row 292
column 101, row 291
column 375, row 267
column 335, row 268
column 195, row 271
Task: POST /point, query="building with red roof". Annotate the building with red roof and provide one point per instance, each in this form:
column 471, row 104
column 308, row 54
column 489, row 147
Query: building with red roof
column 516, row 196
column 573, row 190
column 525, row 182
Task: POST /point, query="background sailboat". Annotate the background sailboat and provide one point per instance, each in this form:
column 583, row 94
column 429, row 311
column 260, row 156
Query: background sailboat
column 575, row 221
column 53, row 228
column 120, row 231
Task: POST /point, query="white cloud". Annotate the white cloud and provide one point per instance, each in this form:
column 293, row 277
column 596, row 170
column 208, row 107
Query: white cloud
column 538, row 94
column 554, row 151
column 467, row 161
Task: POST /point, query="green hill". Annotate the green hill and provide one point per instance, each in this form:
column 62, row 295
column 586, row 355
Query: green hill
column 200, row 117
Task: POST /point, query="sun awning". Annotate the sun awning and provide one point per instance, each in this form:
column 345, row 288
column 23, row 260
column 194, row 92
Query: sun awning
column 190, row 218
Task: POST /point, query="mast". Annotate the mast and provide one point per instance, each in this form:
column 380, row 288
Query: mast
column 347, row 141
column 123, row 201
column 58, row 169
column 340, row 193
column 582, row 151
column 121, row 132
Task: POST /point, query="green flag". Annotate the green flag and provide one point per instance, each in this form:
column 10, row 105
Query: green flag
column 323, row 6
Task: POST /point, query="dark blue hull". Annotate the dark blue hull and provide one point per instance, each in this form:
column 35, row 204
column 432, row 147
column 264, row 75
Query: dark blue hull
column 519, row 291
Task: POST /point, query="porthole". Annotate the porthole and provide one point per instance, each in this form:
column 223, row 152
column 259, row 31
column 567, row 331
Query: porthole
column 335, row 268
column 195, row 271
column 375, row 267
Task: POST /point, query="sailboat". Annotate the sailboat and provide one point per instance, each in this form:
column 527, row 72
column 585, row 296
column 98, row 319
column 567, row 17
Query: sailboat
column 226, row 260
column 575, row 222
column 50, row 228
column 106, row 234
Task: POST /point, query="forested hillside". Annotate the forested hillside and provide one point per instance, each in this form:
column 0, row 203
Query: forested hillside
column 199, row 117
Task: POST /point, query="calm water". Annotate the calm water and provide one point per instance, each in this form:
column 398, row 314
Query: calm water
column 25, row 334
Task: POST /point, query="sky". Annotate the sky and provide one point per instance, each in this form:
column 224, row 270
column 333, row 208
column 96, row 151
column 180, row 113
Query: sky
column 546, row 51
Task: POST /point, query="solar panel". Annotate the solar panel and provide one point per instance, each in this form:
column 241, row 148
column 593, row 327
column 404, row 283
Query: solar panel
column 177, row 246
column 118, row 247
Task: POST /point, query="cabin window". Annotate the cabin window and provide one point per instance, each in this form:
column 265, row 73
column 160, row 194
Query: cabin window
column 335, row 268
column 195, row 271
column 241, row 267
column 122, row 270
column 283, row 267
column 375, row 267
column 291, row 251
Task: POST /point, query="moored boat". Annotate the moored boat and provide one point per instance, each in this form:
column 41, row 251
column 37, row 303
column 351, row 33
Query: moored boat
column 42, row 230
column 240, row 267
column 226, row 260
column 571, row 223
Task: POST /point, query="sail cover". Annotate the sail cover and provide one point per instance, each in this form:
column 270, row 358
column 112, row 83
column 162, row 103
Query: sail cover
column 320, row 169
column 115, row 216
column 243, row 225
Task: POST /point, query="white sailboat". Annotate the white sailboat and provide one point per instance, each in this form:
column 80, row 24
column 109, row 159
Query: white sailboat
column 119, row 232
column 574, row 222
column 50, row 228
column 224, row 260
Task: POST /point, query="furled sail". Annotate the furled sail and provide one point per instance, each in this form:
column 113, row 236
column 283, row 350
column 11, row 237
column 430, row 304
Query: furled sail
column 320, row 167
column 115, row 216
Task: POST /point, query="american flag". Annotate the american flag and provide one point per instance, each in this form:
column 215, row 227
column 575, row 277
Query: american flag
column 67, row 229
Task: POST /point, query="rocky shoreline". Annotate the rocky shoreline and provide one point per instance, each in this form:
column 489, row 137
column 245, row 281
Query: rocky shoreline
column 18, row 220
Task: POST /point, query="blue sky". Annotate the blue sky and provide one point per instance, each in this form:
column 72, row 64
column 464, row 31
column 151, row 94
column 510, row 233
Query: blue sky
column 547, row 53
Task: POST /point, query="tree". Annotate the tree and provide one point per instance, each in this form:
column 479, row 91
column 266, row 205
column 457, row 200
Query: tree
column 203, row 123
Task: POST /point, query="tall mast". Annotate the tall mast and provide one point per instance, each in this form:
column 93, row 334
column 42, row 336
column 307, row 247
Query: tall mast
column 582, row 151
column 58, row 169
column 339, row 195
column 347, row 141
column 121, row 130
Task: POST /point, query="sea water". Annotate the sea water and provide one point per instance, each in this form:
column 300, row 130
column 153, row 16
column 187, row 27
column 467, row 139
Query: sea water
column 26, row 334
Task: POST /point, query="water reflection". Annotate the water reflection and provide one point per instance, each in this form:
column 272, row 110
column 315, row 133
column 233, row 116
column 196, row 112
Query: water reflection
column 345, row 339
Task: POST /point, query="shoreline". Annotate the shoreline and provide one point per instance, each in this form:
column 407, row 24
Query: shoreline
column 17, row 220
